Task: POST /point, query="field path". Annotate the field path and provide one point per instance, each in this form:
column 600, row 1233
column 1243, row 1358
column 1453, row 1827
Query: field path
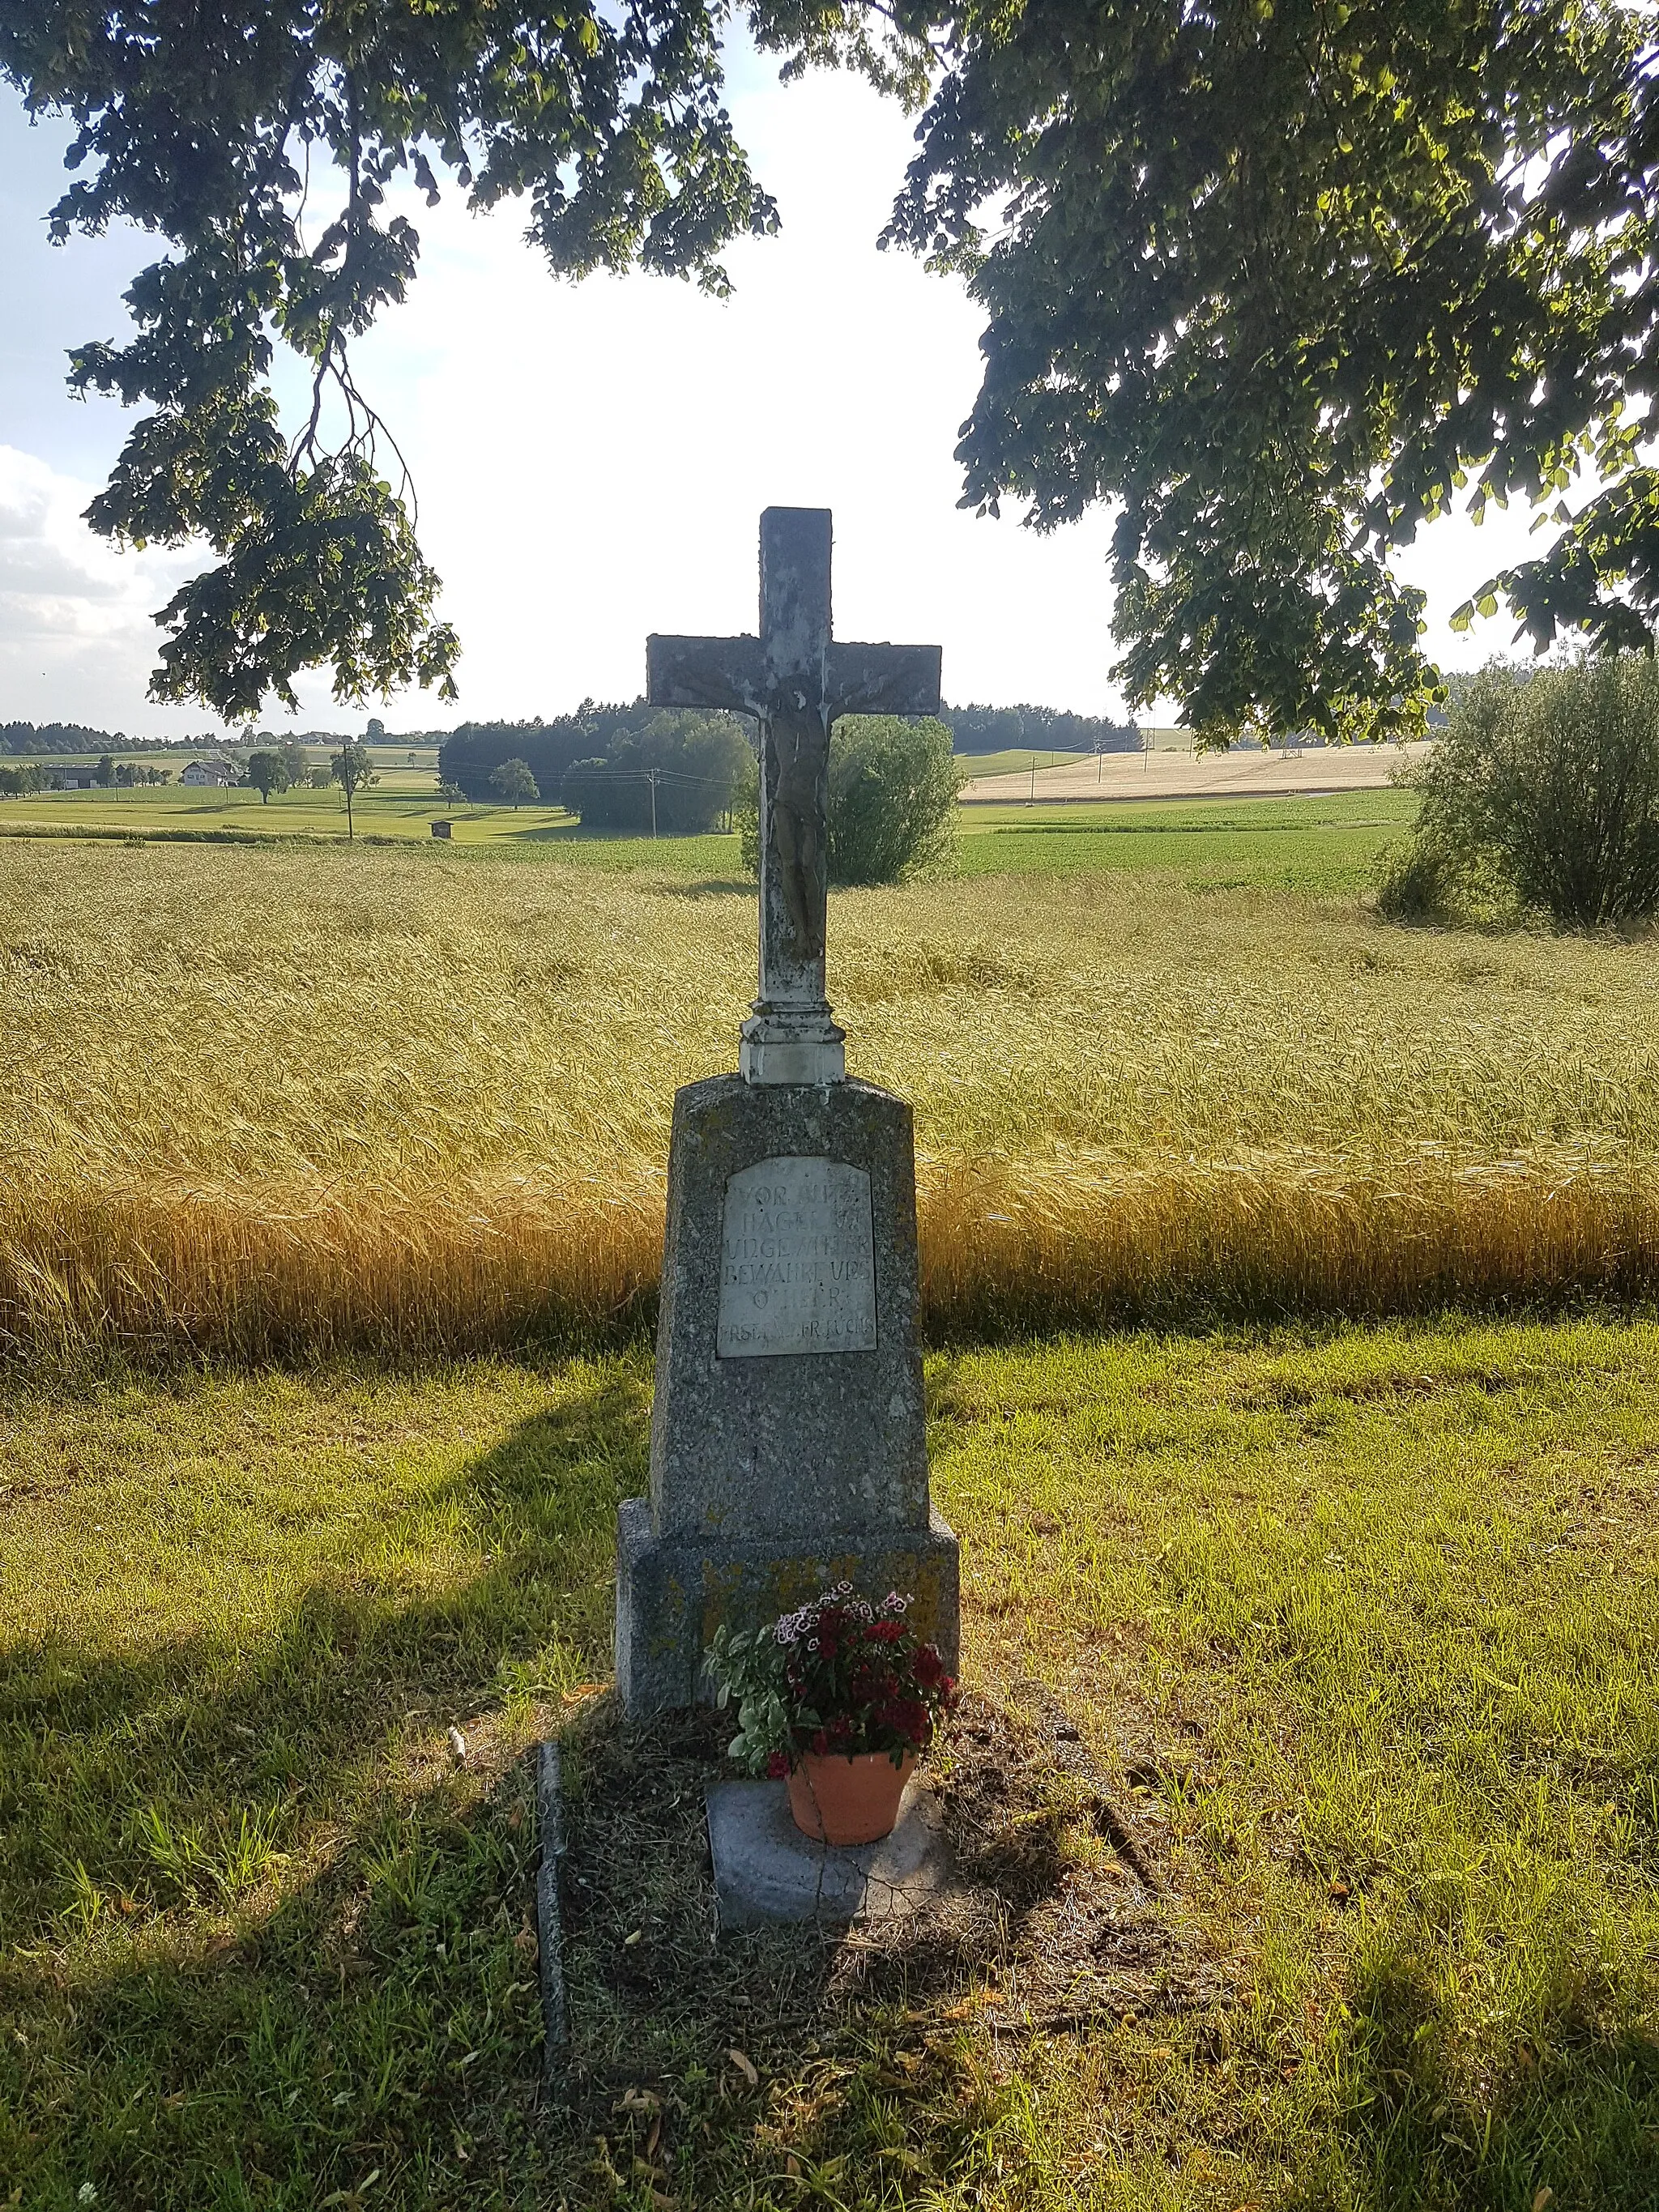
column 1247, row 771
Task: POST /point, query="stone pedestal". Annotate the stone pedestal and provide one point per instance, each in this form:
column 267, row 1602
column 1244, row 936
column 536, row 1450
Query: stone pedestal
column 788, row 1448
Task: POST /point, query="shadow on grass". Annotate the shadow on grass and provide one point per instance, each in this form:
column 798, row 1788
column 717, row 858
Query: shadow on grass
column 263, row 1945
column 1559, row 2111
column 261, row 1936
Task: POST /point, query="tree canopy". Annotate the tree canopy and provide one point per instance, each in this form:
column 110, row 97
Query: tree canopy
column 1279, row 279
column 267, row 771
column 891, row 800
column 678, row 770
column 261, row 140
column 513, row 784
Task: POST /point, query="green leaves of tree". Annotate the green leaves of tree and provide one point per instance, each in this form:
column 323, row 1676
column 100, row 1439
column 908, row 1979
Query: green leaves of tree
column 890, row 802
column 263, row 142
column 1277, row 277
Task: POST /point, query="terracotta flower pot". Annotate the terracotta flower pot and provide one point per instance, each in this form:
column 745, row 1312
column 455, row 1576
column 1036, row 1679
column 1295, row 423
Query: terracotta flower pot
column 844, row 1801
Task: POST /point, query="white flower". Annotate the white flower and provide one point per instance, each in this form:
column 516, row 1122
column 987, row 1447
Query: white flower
column 86, row 2194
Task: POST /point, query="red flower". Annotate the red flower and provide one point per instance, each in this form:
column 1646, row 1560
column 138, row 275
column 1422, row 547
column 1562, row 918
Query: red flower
column 884, row 1631
column 777, row 1766
column 930, row 1668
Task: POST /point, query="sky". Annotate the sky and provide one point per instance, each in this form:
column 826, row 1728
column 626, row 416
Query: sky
column 591, row 460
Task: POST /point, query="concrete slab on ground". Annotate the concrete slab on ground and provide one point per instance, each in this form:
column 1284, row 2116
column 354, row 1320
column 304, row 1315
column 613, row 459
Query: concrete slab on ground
column 766, row 1871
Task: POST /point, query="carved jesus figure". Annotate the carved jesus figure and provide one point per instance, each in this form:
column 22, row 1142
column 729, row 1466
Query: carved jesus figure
column 798, row 829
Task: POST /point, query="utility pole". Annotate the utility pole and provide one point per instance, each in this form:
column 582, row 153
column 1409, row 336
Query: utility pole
column 653, row 802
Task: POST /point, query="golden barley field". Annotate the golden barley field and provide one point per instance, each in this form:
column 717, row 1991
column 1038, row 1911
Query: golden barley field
column 261, row 1104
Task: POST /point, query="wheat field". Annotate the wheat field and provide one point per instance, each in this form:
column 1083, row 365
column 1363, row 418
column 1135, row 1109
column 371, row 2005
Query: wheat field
column 261, row 1104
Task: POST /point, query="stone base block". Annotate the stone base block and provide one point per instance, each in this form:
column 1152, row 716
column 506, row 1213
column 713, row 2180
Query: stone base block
column 766, row 1871
column 789, row 1044
column 673, row 1595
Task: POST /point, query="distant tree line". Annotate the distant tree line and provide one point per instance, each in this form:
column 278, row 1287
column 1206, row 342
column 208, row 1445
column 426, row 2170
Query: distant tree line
column 112, row 774
column 611, row 764
column 1000, row 729
column 26, row 737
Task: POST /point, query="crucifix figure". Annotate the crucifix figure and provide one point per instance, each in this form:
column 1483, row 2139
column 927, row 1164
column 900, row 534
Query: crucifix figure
column 795, row 679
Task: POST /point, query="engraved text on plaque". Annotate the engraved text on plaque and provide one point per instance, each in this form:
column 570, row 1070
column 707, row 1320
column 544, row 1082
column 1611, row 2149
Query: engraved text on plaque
column 796, row 1260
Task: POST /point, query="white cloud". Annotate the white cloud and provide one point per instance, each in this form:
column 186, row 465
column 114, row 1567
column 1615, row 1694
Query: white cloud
column 76, row 640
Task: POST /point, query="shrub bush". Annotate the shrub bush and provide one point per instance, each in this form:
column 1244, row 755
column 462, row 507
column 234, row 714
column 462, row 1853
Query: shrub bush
column 892, row 801
column 1545, row 786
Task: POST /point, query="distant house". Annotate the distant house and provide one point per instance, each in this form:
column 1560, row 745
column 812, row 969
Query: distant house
column 74, row 779
column 216, row 772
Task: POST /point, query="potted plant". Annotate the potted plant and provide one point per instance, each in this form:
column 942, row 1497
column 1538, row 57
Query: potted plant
column 839, row 1701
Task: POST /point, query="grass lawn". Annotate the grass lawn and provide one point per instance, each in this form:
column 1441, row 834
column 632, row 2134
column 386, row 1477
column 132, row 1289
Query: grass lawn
column 1359, row 1627
column 1328, row 845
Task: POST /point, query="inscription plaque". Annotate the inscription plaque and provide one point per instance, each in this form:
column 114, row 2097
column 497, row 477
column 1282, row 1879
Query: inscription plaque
column 796, row 1260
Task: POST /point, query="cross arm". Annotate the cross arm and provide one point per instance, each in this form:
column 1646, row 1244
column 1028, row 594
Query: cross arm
column 727, row 674
column 883, row 679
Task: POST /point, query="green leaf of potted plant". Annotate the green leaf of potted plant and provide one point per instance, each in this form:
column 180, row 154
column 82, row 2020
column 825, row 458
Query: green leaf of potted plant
column 839, row 1700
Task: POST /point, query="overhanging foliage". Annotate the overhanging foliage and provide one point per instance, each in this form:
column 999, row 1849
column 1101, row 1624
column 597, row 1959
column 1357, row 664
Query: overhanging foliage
column 1278, row 279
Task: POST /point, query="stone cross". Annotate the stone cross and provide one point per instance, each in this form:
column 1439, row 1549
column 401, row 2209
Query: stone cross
column 796, row 679
column 788, row 1430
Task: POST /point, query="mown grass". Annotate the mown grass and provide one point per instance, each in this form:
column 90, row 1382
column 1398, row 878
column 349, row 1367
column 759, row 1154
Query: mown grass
column 1326, row 847
column 276, row 1101
column 1361, row 1624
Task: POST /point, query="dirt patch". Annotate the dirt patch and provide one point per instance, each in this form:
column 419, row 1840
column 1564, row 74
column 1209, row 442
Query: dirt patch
column 1063, row 1914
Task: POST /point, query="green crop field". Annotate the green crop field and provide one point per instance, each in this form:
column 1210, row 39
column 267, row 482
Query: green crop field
column 1327, row 845
column 1324, row 845
column 402, row 804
